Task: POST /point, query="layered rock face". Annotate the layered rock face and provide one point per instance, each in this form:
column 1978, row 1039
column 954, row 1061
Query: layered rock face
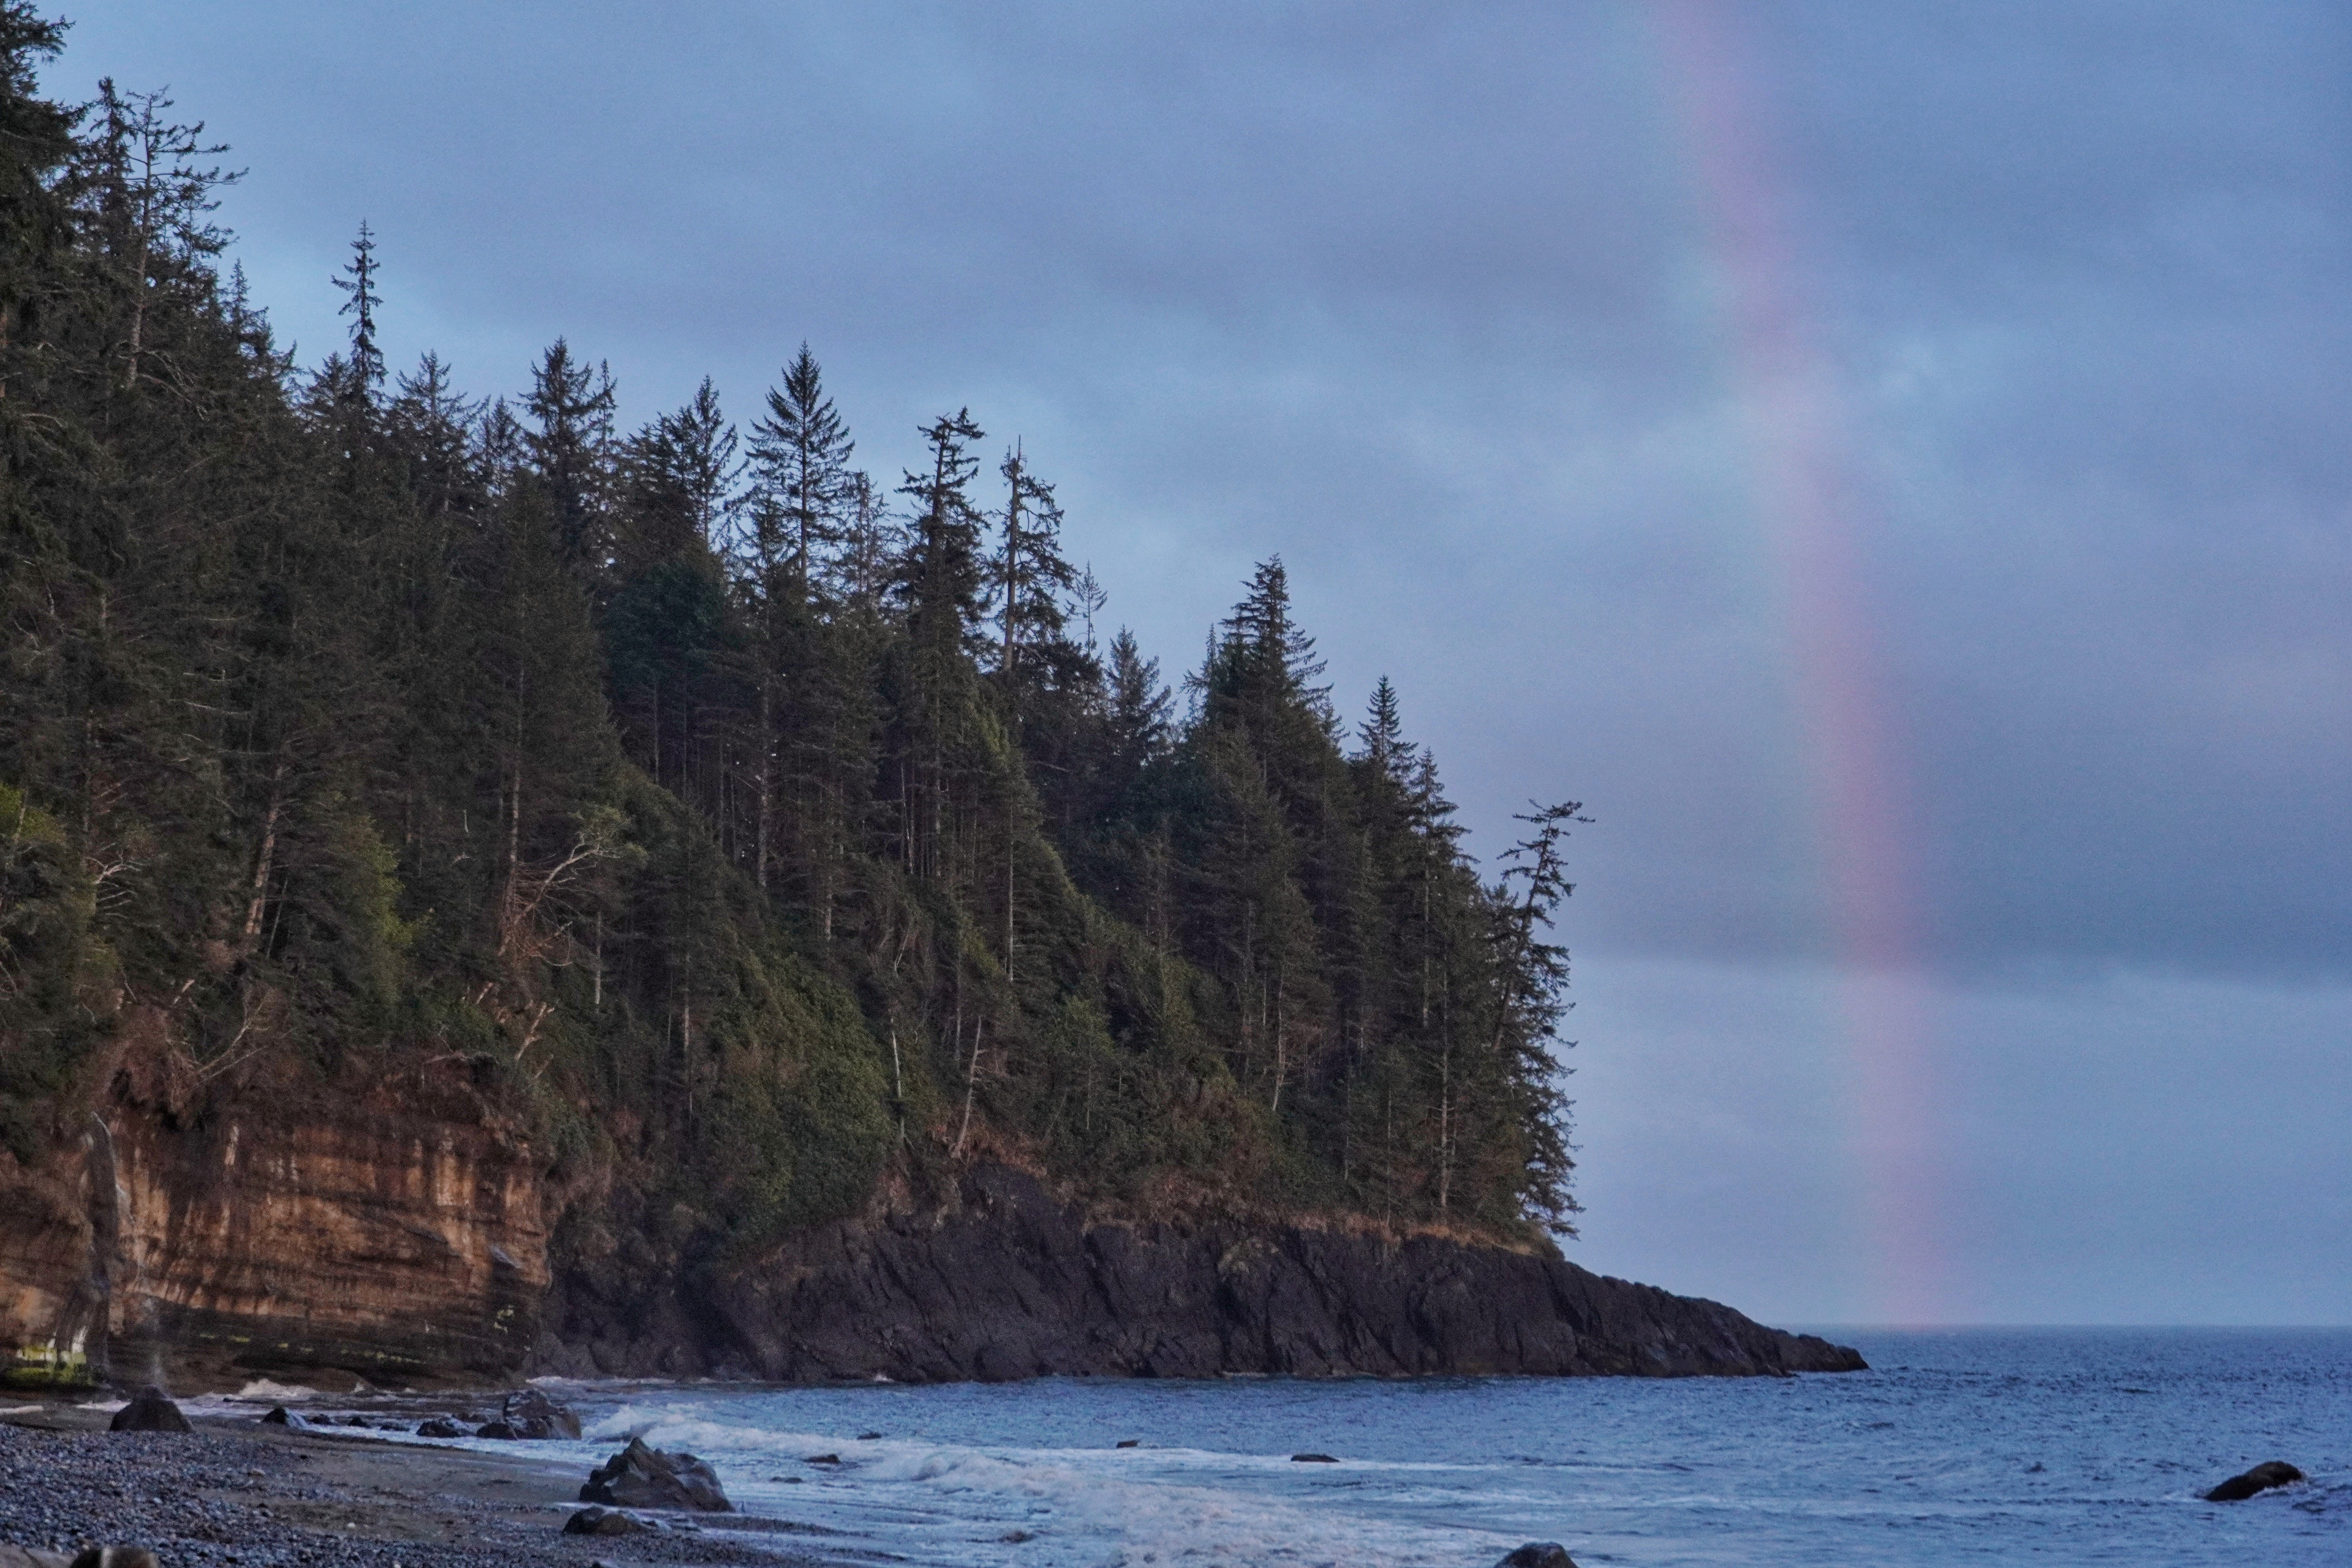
column 1006, row 1282
column 393, row 1229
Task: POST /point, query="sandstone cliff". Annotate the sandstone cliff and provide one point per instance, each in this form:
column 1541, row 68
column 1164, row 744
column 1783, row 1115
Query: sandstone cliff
column 393, row 1228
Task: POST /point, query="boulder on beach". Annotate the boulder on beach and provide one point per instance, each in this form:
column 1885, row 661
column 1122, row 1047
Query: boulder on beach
column 642, row 1477
column 439, row 1426
column 1313, row 1459
column 280, row 1417
column 1537, row 1554
column 497, row 1429
column 151, row 1412
column 604, row 1522
column 534, row 1416
column 2260, row 1478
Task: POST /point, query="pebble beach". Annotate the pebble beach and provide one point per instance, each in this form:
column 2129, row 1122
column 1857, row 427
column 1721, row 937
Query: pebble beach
column 235, row 1491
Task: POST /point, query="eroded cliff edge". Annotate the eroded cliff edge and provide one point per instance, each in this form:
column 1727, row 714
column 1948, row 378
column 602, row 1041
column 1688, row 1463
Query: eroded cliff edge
column 403, row 1229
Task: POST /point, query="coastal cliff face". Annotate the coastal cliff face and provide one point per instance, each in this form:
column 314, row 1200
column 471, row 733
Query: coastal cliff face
column 1005, row 1281
column 403, row 1230
column 393, row 1230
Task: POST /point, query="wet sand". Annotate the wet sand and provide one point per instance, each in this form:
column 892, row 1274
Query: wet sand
column 236, row 1490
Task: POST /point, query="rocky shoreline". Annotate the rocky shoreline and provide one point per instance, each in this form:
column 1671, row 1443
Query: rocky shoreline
column 236, row 1491
column 1004, row 1279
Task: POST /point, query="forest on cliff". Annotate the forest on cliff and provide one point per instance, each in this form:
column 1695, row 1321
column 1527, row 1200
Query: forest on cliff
column 748, row 824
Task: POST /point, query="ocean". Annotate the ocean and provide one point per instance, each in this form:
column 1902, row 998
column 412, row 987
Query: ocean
column 2062, row 1445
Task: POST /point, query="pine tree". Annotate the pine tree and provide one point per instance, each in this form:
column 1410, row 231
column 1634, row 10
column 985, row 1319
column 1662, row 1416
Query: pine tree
column 570, row 451
column 154, row 192
column 801, row 452
column 360, row 302
column 1031, row 577
column 939, row 581
column 36, row 147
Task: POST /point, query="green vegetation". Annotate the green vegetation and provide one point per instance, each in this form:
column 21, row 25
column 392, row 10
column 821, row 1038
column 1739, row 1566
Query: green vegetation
column 747, row 828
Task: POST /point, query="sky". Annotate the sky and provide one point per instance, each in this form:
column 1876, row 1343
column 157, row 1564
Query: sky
column 1890, row 463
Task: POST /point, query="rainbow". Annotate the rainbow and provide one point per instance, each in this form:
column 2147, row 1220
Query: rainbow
column 1812, row 515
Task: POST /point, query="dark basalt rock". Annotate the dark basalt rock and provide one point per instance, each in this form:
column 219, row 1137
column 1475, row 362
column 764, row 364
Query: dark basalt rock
column 640, row 1476
column 535, row 1417
column 280, row 1417
column 604, row 1522
column 1313, row 1459
column 1537, row 1554
column 150, row 1412
column 439, row 1426
column 1006, row 1280
column 2260, row 1478
column 498, row 1430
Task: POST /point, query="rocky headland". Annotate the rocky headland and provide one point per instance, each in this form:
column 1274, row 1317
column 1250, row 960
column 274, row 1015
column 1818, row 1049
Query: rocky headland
column 406, row 1232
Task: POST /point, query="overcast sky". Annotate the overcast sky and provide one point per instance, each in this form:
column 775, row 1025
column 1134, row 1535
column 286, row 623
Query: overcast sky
column 1891, row 462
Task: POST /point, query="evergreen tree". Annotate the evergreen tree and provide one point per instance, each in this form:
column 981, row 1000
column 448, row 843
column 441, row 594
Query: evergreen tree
column 360, row 302
column 801, row 452
column 571, row 452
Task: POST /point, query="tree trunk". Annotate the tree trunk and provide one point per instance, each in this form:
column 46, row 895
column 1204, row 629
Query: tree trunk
column 261, row 865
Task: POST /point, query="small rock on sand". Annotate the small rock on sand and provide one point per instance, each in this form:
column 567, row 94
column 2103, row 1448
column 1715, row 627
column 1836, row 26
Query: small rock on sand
column 534, row 1416
column 642, row 1477
column 151, row 1412
column 604, row 1522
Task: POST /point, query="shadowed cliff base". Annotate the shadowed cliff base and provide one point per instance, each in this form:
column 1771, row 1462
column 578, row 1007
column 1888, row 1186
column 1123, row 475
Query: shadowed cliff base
column 1002, row 1281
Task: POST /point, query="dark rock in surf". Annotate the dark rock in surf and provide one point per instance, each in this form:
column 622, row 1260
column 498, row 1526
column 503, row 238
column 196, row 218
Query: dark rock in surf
column 604, row 1522
column 822, row 1459
column 642, row 1477
column 2260, row 1478
column 498, row 1430
column 1313, row 1459
column 151, row 1412
column 1130, row 1442
column 439, row 1426
column 1538, row 1554
column 280, row 1417
column 535, row 1417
